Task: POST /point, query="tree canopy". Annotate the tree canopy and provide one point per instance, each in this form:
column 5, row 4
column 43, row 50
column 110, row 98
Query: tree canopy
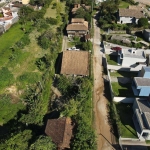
column 143, row 22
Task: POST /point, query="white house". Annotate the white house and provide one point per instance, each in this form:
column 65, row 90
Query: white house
column 132, row 58
column 126, row 15
column 9, row 17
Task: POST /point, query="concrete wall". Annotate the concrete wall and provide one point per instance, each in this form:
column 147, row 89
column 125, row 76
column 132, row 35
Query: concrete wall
column 121, row 68
column 124, row 99
column 124, row 20
column 146, row 75
column 145, row 91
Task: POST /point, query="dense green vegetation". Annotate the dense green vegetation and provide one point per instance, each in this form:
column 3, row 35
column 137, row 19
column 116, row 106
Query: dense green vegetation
column 77, row 104
column 27, row 74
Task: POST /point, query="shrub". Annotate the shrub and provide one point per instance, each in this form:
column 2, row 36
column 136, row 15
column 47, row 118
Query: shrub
column 6, row 77
column 52, row 21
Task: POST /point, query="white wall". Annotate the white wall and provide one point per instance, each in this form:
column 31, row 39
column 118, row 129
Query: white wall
column 124, row 99
column 124, row 20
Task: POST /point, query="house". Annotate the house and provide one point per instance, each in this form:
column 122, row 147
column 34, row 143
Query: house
column 145, row 72
column 8, row 18
column 128, row 15
column 141, row 118
column 78, row 27
column 75, row 63
column 132, row 58
column 77, row 6
column 146, row 34
column 141, row 86
column 60, row 131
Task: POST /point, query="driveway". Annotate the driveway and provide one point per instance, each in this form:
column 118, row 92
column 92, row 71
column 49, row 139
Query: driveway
column 102, row 127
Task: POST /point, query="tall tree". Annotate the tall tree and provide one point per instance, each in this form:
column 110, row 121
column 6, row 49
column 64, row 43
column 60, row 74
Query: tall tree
column 18, row 141
column 43, row 143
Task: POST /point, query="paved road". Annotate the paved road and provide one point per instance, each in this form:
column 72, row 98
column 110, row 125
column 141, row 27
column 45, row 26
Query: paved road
column 104, row 136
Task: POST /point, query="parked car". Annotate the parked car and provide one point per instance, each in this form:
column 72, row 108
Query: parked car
column 73, row 48
column 116, row 48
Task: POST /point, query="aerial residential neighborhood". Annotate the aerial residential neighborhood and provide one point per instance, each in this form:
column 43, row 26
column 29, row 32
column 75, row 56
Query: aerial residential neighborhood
column 75, row 74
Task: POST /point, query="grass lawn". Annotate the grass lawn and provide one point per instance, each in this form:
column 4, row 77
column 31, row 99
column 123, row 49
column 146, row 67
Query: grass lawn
column 123, row 74
column 111, row 59
column 7, row 40
column 52, row 12
column 125, row 122
column 123, row 4
column 123, row 90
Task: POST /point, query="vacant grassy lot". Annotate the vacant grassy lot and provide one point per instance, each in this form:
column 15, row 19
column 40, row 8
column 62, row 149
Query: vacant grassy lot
column 123, row 4
column 7, row 40
column 123, row 74
column 123, row 90
column 51, row 11
column 112, row 59
column 125, row 122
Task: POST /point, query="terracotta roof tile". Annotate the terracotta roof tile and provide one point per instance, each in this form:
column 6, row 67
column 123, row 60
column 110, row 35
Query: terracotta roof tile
column 123, row 12
column 60, row 130
column 75, row 62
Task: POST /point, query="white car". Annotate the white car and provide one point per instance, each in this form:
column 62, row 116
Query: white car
column 73, row 48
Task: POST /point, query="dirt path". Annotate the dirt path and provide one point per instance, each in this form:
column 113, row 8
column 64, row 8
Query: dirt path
column 100, row 102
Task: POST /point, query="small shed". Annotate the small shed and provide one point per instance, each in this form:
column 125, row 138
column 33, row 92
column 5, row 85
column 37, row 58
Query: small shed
column 60, row 131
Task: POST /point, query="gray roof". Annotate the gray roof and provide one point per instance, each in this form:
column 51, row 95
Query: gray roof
column 147, row 30
column 142, row 81
column 144, row 105
column 147, row 116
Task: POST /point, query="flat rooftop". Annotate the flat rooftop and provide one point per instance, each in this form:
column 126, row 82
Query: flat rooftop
column 75, row 62
column 133, row 53
column 142, row 81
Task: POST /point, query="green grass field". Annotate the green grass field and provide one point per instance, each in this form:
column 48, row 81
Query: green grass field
column 52, row 12
column 123, row 4
column 112, row 59
column 126, row 125
column 123, row 90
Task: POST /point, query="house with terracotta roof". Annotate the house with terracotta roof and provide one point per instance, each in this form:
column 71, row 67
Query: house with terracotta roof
column 8, row 17
column 77, row 27
column 75, row 63
column 60, row 131
column 83, row 6
column 129, row 15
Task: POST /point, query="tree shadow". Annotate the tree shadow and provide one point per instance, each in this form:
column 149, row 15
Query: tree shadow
column 58, row 63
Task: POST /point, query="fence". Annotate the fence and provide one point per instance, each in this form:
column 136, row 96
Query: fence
column 124, row 99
